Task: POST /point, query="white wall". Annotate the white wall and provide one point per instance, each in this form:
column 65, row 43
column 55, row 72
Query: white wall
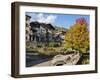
column 5, row 42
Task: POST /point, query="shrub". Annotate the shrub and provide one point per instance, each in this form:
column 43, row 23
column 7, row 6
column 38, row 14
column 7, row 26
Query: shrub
column 39, row 45
column 85, row 61
column 31, row 49
column 53, row 44
column 48, row 51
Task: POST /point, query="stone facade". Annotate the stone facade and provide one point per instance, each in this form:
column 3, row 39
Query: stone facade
column 41, row 32
column 28, row 31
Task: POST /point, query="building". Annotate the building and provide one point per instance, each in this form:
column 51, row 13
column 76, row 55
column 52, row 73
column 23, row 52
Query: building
column 41, row 32
column 27, row 28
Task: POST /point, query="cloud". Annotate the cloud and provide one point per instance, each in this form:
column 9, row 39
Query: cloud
column 46, row 19
column 51, row 19
column 40, row 15
column 43, row 18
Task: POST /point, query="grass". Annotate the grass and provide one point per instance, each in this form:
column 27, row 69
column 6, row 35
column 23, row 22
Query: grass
column 45, row 50
column 53, row 48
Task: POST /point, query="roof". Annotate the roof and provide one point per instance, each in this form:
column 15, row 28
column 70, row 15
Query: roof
column 44, row 25
column 28, row 16
column 34, row 24
column 51, row 27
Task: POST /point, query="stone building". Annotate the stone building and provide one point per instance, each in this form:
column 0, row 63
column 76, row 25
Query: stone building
column 41, row 32
column 28, row 27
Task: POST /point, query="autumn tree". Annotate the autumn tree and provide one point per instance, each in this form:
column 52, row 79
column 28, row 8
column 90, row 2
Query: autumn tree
column 77, row 37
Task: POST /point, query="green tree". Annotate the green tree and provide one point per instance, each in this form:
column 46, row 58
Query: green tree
column 77, row 37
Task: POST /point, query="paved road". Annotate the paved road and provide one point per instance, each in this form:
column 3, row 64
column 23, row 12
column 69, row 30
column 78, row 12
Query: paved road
column 36, row 60
column 47, row 63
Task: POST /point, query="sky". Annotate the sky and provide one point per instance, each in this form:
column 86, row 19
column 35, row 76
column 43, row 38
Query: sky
column 60, row 20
